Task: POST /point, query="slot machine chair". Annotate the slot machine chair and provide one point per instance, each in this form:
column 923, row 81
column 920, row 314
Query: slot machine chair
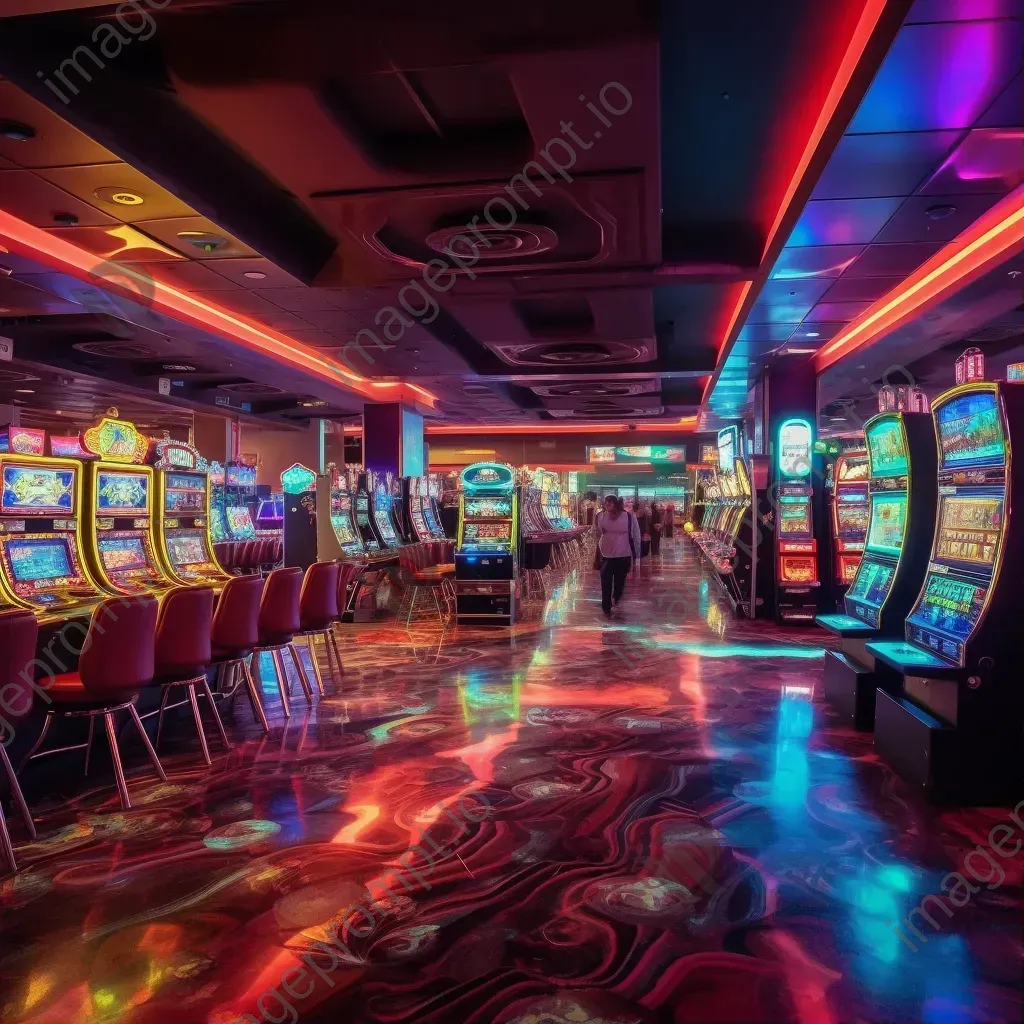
column 318, row 612
column 116, row 664
column 19, row 631
column 279, row 623
column 183, row 657
column 234, row 636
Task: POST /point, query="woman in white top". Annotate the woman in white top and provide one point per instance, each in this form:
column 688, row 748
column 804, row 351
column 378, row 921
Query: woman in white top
column 618, row 539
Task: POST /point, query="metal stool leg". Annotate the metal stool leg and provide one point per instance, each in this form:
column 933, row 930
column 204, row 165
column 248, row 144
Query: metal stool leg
column 16, row 792
column 88, row 744
column 166, row 692
column 282, row 680
column 315, row 662
column 38, row 743
column 193, row 700
column 145, row 742
column 301, row 670
column 6, row 845
column 115, row 756
column 337, row 655
column 255, row 698
column 216, row 714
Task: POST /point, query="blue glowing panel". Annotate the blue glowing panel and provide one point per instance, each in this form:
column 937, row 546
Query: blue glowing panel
column 949, row 605
column 989, row 160
column 861, row 289
column 868, row 166
column 814, row 261
column 789, row 313
column 812, row 331
column 28, row 490
column 940, row 76
column 842, row 221
column 913, row 222
column 893, row 260
column 33, row 560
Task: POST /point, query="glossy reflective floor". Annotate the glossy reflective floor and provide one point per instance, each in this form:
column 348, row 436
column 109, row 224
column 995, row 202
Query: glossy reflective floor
column 653, row 819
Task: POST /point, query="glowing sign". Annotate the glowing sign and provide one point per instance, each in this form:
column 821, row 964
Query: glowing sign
column 177, row 455
column 115, row 440
column 69, row 447
column 795, row 449
column 970, row 366
column 728, row 440
column 298, row 479
column 22, row 441
column 1015, row 371
column 637, row 453
column 487, row 475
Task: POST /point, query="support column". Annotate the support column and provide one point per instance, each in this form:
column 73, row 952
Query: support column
column 393, row 440
column 10, row 415
column 211, row 435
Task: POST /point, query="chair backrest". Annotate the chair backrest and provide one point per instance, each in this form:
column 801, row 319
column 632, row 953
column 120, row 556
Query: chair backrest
column 118, row 653
column 183, row 630
column 279, row 609
column 318, row 602
column 19, row 632
column 236, row 622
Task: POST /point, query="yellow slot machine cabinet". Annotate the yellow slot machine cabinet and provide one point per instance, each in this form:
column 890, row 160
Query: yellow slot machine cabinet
column 182, row 526
column 120, row 496
column 43, row 567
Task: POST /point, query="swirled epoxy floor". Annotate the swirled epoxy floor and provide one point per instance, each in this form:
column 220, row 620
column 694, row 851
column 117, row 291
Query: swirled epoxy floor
column 652, row 819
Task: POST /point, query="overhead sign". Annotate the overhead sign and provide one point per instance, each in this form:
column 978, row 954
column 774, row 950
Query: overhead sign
column 637, row 453
column 6, row 349
column 116, row 440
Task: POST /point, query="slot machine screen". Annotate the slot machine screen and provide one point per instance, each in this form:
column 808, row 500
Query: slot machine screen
column 184, row 492
column 343, row 529
column 39, row 559
column 492, row 533
column 27, row 490
column 240, row 522
column 122, row 493
column 794, row 517
column 949, row 605
column 488, row 508
column 852, row 515
column 887, row 448
column 798, row 569
column 969, row 529
column 186, row 550
column 380, row 513
column 873, row 582
column 888, row 522
column 120, row 554
column 970, row 431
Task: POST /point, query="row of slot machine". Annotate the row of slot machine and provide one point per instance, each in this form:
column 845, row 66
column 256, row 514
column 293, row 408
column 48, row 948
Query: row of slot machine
column 374, row 514
column 238, row 511
column 928, row 656
column 546, row 506
column 109, row 513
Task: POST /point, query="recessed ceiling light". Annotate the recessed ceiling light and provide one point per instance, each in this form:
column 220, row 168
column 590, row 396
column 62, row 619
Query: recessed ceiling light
column 17, row 131
column 204, row 241
column 812, row 334
column 255, row 275
column 24, row 391
column 65, row 220
column 940, row 212
column 121, row 196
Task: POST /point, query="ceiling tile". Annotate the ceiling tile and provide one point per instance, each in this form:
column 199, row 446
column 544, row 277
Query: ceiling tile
column 962, row 10
column 56, row 143
column 240, row 301
column 298, row 299
column 912, row 222
column 892, row 260
column 83, row 181
column 236, row 269
column 860, row 289
column 793, row 292
column 122, row 244
column 840, row 312
column 842, row 221
column 814, row 261
column 316, row 338
column 281, row 320
column 892, row 164
column 168, row 231
column 988, row 160
column 188, row 276
column 765, row 332
column 783, row 313
column 37, row 201
column 940, row 76
column 814, row 331
column 332, row 320
column 1008, row 109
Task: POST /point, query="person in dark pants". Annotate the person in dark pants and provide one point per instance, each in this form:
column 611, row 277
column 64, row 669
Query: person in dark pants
column 618, row 539
column 656, row 517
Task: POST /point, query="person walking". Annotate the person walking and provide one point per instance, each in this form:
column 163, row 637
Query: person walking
column 670, row 516
column 618, row 542
column 656, row 527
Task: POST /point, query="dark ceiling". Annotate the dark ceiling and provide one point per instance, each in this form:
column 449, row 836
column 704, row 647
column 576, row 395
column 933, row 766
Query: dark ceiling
column 298, row 162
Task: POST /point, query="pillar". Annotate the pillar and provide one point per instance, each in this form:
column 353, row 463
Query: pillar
column 393, row 440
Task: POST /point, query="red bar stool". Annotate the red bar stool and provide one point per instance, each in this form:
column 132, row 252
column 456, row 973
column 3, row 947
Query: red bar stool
column 183, row 657
column 278, row 624
column 19, row 632
column 116, row 663
column 235, row 635
column 318, row 611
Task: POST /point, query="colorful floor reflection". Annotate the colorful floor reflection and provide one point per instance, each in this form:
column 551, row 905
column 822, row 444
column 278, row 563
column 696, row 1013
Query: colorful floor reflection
column 649, row 820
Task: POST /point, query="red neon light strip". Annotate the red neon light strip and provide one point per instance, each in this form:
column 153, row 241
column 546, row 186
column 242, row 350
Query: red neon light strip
column 986, row 241
column 68, row 258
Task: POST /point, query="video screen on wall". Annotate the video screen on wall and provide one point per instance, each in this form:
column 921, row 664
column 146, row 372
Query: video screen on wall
column 969, row 529
column 970, row 431
column 39, row 559
column 28, row 490
column 888, row 523
column 852, row 517
column 122, row 493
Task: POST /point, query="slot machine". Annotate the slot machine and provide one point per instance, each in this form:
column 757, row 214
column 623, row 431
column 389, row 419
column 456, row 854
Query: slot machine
column 796, row 550
column 239, row 494
column 486, row 560
column 432, row 506
column 337, row 534
column 299, row 536
column 849, row 515
column 218, row 524
column 399, row 510
column 902, row 496
column 183, row 524
column 382, row 506
column 363, row 514
column 954, row 727
column 120, row 492
column 269, row 520
column 415, row 507
column 43, row 567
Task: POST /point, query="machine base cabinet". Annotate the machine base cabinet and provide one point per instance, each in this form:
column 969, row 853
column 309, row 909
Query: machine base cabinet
column 850, row 689
column 482, row 605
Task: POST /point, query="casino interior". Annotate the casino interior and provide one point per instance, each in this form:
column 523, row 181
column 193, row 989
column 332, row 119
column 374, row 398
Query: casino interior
column 326, row 333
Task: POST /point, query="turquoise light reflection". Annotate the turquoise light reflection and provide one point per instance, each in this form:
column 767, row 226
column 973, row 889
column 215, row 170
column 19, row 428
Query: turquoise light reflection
column 706, row 650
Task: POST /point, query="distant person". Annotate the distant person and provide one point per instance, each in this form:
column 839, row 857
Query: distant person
column 656, row 517
column 643, row 520
column 670, row 517
column 618, row 543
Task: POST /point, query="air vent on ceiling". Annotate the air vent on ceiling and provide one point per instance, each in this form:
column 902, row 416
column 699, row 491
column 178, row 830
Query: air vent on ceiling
column 117, row 349
column 619, row 412
column 251, row 387
column 15, row 377
column 595, row 389
column 995, row 332
column 591, row 353
column 476, row 389
column 493, row 243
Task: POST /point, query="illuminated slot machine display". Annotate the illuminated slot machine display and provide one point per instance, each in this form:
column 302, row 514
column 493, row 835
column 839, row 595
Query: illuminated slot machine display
column 343, row 523
column 42, row 560
column 269, row 520
column 122, row 548
column 955, row 726
column 183, row 526
column 364, row 515
column 416, row 507
column 239, row 494
column 218, row 524
column 849, row 507
column 902, row 497
column 486, row 558
column 383, row 512
column 796, row 550
column 432, row 506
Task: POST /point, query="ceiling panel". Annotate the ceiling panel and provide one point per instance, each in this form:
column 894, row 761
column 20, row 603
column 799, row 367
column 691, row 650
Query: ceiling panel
column 1008, row 109
column 29, row 197
column 85, row 181
column 764, row 332
column 988, row 160
column 941, row 76
column 782, row 313
column 840, row 312
column 256, row 273
column 186, row 275
column 170, row 232
column 298, row 299
column 892, row 260
column 890, row 164
column 810, row 330
column 935, row 218
column 842, row 221
column 815, row 261
column 859, row 289
column 962, row 10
